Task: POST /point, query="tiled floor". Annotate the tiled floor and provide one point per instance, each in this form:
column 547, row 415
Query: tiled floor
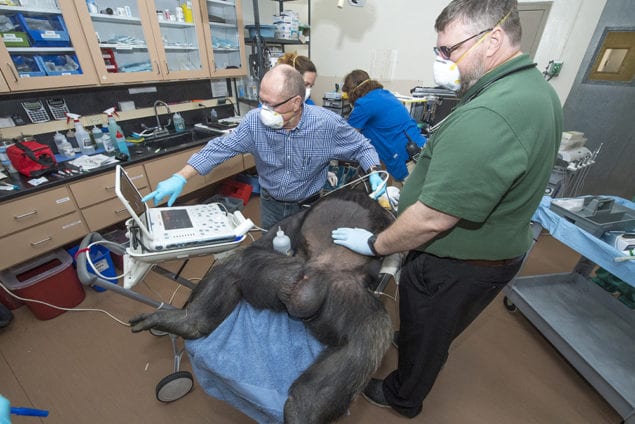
column 85, row 368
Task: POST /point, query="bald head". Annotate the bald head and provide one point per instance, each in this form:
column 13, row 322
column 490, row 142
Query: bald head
column 283, row 81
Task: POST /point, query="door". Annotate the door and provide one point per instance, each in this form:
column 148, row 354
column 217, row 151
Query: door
column 44, row 47
column 224, row 36
column 533, row 17
column 144, row 40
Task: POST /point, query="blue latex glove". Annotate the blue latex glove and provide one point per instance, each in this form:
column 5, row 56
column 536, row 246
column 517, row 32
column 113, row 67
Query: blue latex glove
column 4, row 410
column 375, row 182
column 171, row 187
column 355, row 239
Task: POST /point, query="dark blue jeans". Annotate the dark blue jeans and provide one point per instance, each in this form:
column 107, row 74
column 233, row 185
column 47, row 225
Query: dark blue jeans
column 438, row 299
column 272, row 210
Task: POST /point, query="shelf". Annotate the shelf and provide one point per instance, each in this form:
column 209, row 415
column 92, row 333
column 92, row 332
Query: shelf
column 180, row 48
column 593, row 331
column 221, row 2
column 270, row 40
column 30, row 10
column 123, row 46
column 100, row 17
column 176, row 24
column 222, row 25
column 34, row 50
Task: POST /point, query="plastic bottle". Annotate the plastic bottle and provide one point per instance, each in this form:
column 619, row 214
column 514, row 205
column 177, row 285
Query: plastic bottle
column 59, row 140
column 97, row 137
column 109, row 143
column 187, row 11
column 121, row 143
column 86, row 144
column 282, row 243
column 113, row 127
column 70, row 136
column 179, row 122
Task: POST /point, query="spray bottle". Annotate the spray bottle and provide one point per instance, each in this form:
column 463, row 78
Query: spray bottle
column 121, row 143
column 112, row 124
column 282, row 243
column 86, row 144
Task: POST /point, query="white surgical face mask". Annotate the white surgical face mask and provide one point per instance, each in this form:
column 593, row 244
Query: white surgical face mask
column 307, row 93
column 271, row 118
column 446, row 74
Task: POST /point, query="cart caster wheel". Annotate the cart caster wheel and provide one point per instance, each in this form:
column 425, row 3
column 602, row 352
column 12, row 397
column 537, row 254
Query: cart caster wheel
column 158, row 333
column 174, row 386
column 509, row 305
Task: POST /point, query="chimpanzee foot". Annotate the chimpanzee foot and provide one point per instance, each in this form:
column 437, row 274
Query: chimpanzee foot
column 174, row 321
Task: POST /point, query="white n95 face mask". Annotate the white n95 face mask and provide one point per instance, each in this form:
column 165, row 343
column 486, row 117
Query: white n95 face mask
column 307, row 93
column 446, row 74
column 271, row 118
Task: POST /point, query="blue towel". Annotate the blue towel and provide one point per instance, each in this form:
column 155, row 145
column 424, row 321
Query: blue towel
column 591, row 247
column 251, row 360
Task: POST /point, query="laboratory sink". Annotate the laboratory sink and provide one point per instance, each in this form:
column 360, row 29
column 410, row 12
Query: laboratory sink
column 166, row 142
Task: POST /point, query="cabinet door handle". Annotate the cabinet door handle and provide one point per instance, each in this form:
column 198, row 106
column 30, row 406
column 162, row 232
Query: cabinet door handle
column 121, row 210
column 12, row 72
column 156, row 63
column 167, row 68
column 112, row 187
column 24, row 215
column 37, row 243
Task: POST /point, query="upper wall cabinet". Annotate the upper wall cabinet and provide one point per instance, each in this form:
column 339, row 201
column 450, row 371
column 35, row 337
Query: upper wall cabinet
column 223, row 31
column 43, row 46
column 144, row 40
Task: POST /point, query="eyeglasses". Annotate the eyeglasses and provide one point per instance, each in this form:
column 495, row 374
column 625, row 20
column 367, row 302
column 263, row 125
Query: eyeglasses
column 277, row 104
column 445, row 51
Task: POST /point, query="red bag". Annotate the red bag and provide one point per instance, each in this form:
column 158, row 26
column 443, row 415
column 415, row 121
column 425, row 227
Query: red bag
column 31, row 158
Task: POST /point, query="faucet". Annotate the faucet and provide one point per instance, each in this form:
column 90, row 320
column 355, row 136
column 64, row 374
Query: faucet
column 160, row 129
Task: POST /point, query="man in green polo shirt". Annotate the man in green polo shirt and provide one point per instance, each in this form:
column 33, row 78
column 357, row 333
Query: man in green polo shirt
column 465, row 209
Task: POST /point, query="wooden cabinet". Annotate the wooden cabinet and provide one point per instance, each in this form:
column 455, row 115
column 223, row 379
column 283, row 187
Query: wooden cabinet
column 46, row 47
column 223, row 29
column 36, row 224
column 32, row 210
column 144, row 40
column 98, row 201
column 161, row 169
column 97, row 189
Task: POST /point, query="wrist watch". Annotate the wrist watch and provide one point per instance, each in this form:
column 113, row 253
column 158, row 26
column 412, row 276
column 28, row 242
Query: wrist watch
column 373, row 169
column 371, row 244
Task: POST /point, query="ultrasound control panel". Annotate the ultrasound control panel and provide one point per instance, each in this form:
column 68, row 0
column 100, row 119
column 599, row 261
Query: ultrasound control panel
column 176, row 227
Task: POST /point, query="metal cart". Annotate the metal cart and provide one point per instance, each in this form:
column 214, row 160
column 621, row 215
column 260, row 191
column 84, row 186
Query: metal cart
column 137, row 263
column 593, row 330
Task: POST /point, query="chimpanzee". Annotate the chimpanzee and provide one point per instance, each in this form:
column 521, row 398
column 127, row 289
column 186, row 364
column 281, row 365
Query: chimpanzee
column 323, row 284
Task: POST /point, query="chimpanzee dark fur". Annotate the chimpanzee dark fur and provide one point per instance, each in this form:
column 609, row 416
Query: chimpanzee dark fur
column 324, row 284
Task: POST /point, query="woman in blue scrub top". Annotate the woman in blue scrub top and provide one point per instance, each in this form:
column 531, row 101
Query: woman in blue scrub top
column 304, row 65
column 383, row 119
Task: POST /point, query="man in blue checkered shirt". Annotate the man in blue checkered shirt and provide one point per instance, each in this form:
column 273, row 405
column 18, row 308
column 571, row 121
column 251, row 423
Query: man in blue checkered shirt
column 292, row 144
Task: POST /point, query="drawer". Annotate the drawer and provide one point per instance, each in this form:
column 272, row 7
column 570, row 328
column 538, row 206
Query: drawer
column 26, row 212
column 107, row 213
column 162, row 169
column 226, row 169
column 42, row 238
column 97, row 189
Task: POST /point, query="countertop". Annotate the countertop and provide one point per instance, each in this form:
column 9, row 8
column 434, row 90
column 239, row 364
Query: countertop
column 139, row 152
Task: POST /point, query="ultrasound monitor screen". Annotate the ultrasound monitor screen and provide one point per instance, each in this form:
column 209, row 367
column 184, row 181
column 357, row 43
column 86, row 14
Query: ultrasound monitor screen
column 176, row 219
column 130, row 192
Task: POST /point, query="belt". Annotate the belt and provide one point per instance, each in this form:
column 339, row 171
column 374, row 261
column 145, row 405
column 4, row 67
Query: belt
column 312, row 198
column 497, row 263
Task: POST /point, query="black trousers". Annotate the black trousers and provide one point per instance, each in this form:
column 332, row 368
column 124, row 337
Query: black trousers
column 438, row 299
